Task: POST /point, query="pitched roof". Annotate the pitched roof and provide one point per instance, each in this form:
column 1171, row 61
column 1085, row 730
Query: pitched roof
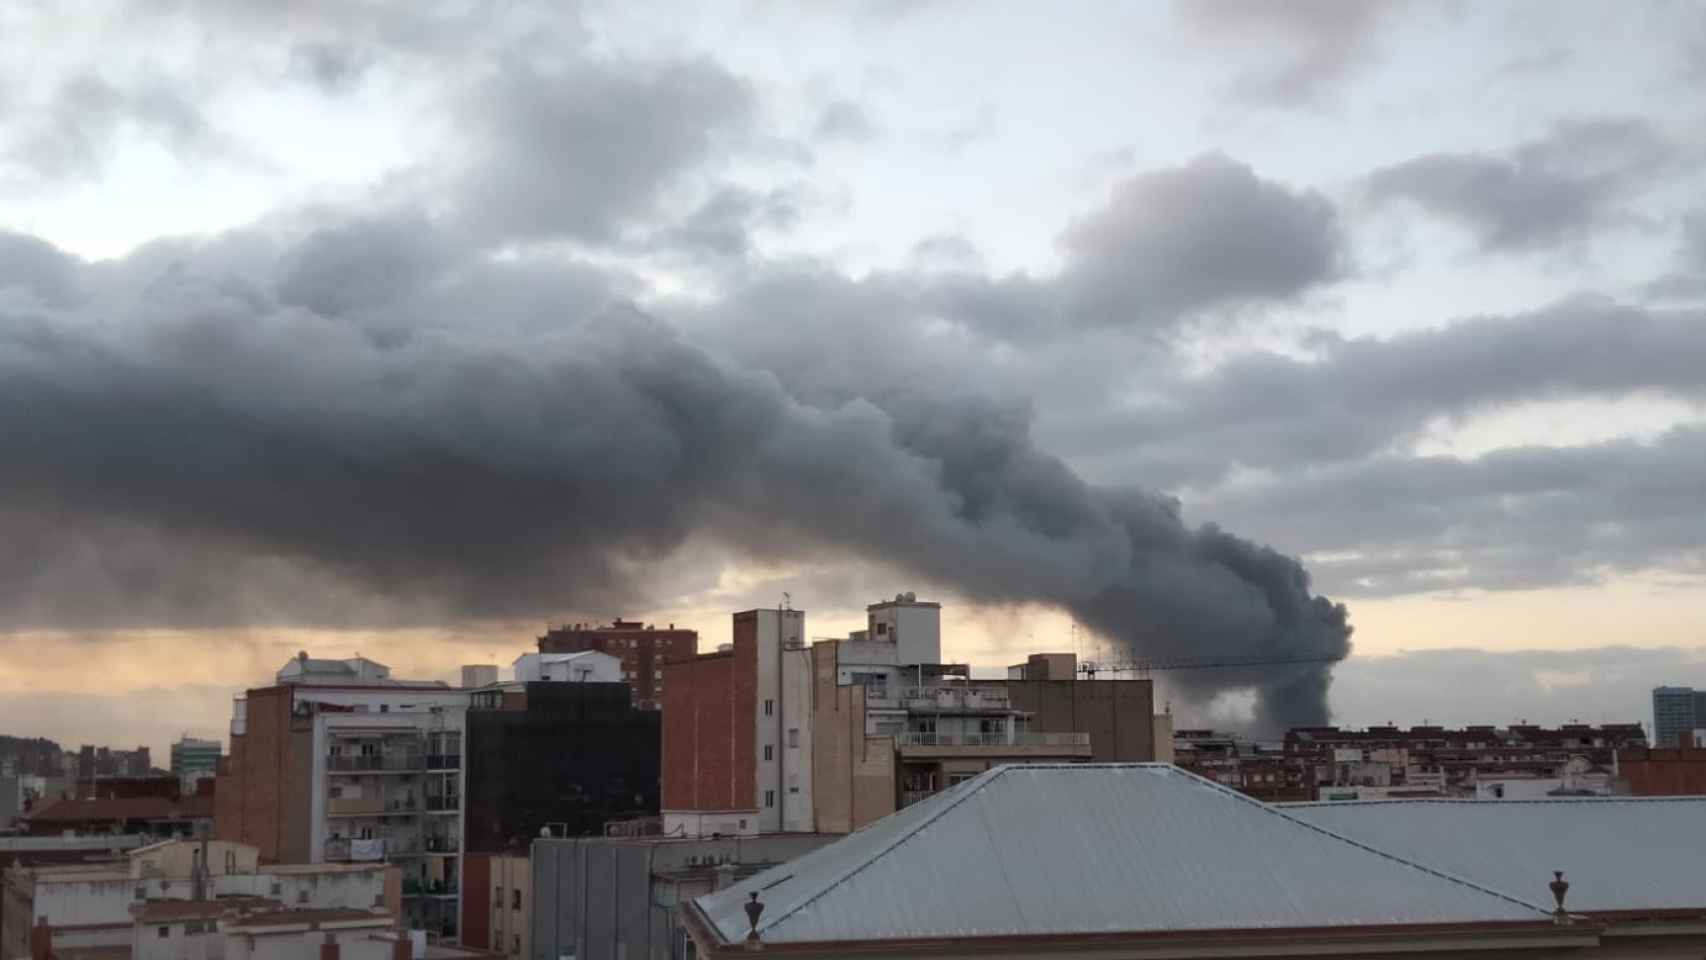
column 71, row 810
column 313, row 918
column 1093, row 848
column 1618, row 853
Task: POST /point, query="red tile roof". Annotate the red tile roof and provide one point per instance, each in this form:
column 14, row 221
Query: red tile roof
column 167, row 911
column 122, row 808
column 278, row 918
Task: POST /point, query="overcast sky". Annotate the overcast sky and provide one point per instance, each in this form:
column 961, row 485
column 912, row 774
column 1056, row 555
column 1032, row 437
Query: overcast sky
column 403, row 328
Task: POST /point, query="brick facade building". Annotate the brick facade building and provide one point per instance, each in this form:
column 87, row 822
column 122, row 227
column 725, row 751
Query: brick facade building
column 642, row 648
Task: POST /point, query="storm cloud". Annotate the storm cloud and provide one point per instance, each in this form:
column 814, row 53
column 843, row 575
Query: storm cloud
column 1543, row 192
column 469, row 471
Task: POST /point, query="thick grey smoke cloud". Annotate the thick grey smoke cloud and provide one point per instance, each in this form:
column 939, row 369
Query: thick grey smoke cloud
column 368, row 420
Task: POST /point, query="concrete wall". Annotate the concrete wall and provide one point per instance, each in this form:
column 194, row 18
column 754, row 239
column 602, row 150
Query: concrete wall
column 1119, row 715
column 357, row 944
column 782, row 703
column 176, row 859
column 914, row 628
column 853, row 773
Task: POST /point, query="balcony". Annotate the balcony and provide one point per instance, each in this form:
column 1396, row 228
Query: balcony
column 397, row 762
column 444, row 761
column 348, row 850
column 431, row 888
column 941, row 699
column 993, row 744
column 442, row 844
column 443, row 804
column 404, row 806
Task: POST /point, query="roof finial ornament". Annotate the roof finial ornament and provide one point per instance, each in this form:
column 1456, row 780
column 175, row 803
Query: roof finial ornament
column 1559, row 886
column 754, row 910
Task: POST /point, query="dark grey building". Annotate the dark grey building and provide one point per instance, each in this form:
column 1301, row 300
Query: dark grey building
column 611, row 898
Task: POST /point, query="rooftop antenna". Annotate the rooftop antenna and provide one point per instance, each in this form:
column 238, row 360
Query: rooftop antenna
column 787, row 600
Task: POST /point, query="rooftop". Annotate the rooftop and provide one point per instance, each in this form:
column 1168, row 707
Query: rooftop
column 1618, row 853
column 312, row 918
column 1076, row 849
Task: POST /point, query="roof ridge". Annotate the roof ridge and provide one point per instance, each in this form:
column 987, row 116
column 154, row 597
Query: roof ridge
column 988, row 776
column 1274, row 810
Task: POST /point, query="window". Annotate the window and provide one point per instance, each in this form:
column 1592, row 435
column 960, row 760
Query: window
column 230, row 861
column 769, row 752
column 882, row 628
column 165, row 932
column 769, row 798
column 497, row 941
column 194, row 926
column 793, row 736
column 141, row 893
column 743, row 824
column 769, row 708
column 793, row 789
column 517, row 944
column 335, row 792
column 385, row 708
column 515, row 899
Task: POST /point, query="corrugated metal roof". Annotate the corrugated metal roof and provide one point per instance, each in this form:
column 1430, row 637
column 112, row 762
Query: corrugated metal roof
column 1093, row 848
column 1618, row 853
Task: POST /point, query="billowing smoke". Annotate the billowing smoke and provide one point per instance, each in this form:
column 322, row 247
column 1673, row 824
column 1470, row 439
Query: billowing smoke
column 368, row 419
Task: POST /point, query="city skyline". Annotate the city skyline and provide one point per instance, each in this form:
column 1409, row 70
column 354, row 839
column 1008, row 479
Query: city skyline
column 406, row 329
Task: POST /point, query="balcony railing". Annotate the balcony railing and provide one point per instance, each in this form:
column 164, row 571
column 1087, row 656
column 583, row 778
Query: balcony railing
column 372, row 806
column 910, row 797
column 375, row 762
column 442, row 844
column 912, row 739
column 435, row 804
column 941, row 698
column 444, row 761
column 355, row 850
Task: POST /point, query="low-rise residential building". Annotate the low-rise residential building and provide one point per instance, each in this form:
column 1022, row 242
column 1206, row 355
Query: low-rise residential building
column 338, row 762
column 769, row 735
column 87, row 906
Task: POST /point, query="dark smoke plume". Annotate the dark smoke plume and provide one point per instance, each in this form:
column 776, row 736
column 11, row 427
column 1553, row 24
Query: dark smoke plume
column 370, row 419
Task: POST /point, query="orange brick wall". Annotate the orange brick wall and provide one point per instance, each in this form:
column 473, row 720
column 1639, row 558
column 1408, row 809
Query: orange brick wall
column 262, row 797
column 709, row 733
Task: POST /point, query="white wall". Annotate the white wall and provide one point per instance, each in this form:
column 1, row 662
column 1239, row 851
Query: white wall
column 591, row 666
column 915, row 629
column 693, row 824
column 356, row 944
column 777, row 630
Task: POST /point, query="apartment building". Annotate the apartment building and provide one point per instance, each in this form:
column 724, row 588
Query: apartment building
column 194, row 759
column 1677, row 713
column 642, row 648
column 497, row 911
column 172, row 890
column 737, row 740
column 768, row 735
column 338, row 762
